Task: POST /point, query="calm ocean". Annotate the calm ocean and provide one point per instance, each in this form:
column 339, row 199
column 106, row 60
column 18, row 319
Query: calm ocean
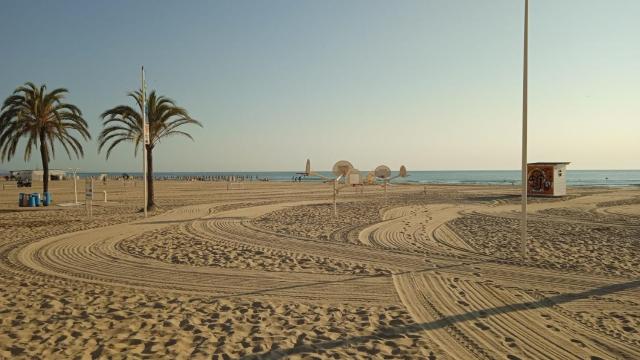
column 499, row 177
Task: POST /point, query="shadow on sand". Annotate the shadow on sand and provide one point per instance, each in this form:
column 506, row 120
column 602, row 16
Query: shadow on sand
column 391, row 332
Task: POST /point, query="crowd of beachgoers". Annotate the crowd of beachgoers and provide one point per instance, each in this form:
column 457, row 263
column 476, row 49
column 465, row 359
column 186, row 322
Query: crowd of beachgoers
column 217, row 178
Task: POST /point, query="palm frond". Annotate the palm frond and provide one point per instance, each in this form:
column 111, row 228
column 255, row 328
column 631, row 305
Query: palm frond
column 123, row 123
column 44, row 119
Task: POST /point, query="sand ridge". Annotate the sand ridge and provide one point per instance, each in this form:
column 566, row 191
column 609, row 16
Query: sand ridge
column 261, row 273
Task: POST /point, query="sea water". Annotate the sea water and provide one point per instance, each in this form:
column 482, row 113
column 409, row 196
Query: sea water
column 491, row 177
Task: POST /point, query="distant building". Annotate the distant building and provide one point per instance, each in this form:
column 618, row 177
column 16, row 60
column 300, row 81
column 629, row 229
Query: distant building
column 37, row 175
column 354, row 177
column 547, row 179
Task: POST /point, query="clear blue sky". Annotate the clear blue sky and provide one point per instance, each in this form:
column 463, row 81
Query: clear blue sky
column 432, row 84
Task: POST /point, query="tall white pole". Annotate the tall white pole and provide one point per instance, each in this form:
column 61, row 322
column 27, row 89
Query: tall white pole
column 75, row 186
column 144, row 142
column 335, row 194
column 524, row 131
column 385, row 191
column 91, row 199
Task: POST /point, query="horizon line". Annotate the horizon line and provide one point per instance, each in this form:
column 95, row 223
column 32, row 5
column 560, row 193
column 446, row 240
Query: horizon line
column 294, row 171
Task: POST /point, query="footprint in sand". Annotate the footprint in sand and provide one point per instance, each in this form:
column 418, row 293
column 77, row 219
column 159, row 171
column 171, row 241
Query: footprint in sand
column 510, row 342
column 629, row 329
column 549, row 326
column 578, row 342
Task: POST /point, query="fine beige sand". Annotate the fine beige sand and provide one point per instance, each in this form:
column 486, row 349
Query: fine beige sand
column 264, row 270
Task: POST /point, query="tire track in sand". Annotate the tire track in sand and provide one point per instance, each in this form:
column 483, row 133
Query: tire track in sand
column 473, row 318
column 92, row 256
column 468, row 317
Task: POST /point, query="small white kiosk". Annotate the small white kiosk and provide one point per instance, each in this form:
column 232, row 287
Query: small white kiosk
column 547, row 179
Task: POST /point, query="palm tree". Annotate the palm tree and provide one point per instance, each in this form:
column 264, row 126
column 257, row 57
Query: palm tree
column 43, row 118
column 124, row 124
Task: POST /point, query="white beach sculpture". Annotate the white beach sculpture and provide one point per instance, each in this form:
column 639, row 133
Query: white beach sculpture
column 383, row 173
column 341, row 169
column 344, row 173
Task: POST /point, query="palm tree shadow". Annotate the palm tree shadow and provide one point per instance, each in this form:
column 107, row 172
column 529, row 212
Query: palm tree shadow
column 390, row 332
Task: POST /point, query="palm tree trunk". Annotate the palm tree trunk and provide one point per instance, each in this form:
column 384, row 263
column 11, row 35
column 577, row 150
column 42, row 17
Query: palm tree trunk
column 150, row 201
column 44, row 153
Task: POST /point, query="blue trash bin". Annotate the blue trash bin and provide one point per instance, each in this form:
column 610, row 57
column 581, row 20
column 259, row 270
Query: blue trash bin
column 21, row 199
column 34, row 200
column 47, row 199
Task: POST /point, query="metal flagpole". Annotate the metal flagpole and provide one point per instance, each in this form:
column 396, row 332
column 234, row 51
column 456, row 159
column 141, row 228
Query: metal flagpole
column 91, row 199
column 524, row 131
column 75, row 186
column 385, row 191
column 144, row 141
column 335, row 194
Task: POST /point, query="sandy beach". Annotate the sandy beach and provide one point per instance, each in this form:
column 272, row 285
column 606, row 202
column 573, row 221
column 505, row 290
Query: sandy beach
column 264, row 270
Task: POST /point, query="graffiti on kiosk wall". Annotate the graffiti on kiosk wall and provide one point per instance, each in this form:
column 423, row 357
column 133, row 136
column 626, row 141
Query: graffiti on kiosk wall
column 540, row 180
